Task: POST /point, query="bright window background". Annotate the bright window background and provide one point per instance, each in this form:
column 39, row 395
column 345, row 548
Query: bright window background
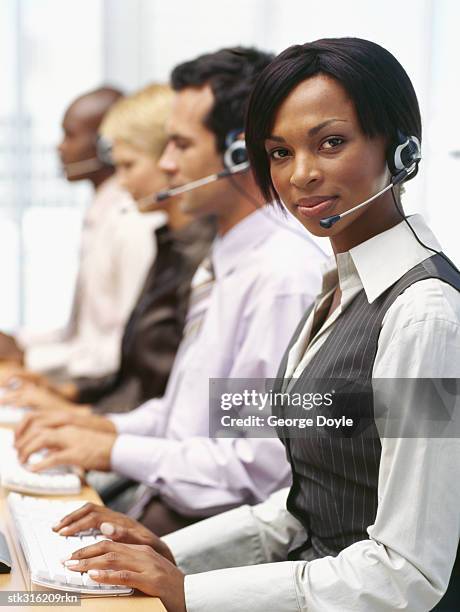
column 54, row 51
column 57, row 49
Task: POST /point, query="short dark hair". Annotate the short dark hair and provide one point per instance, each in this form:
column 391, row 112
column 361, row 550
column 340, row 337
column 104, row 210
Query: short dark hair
column 231, row 74
column 383, row 95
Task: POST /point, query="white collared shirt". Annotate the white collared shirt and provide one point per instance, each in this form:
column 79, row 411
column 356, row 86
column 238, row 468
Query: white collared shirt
column 406, row 562
column 266, row 277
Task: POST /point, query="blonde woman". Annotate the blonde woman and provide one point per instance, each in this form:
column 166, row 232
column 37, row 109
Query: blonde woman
column 135, row 127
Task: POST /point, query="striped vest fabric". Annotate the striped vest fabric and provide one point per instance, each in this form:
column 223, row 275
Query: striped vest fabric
column 335, row 474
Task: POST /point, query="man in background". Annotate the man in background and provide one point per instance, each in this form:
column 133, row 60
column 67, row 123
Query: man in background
column 247, row 297
column 116, row 252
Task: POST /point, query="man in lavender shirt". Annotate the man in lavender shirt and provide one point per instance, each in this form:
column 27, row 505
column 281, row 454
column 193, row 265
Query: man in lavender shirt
column 247, row 299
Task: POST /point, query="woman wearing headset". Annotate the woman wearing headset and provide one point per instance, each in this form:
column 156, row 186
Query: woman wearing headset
column 373, row 516
column 330, row 125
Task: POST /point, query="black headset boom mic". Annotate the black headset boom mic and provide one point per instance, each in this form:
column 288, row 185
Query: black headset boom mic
column 402, row 162
column 235, row 158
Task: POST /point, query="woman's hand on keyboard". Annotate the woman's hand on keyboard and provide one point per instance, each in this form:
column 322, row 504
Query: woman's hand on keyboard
column 81, row 418
column 13, row 376
column 138, row 567
column 114, row 525
column 67, row 445
column 30, row 395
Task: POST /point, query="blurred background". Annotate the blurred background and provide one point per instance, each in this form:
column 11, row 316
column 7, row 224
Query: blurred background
column 54, row 50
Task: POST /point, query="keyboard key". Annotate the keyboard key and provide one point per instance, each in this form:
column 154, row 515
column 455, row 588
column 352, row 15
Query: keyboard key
column 74, row 578
column 89, row 582
column 43, row 574
column 11, row 415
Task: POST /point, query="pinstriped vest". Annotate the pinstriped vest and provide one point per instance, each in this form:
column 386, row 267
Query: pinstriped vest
column 334, row 488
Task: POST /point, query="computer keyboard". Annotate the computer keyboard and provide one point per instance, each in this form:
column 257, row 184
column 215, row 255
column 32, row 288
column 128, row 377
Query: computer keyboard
column 10, row 415
column 44, row 549
column 62, row 480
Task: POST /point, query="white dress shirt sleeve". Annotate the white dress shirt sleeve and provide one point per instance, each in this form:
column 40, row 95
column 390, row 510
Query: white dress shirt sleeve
column 247, row 535
column 199, row 475
column 406, row 562
column 146, row 420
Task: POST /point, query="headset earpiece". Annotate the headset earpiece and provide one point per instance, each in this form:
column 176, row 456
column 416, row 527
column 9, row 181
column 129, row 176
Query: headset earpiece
column 235, row 150
column 402, row 162
column 102, row 159
column 405, row 154
column 104, row 150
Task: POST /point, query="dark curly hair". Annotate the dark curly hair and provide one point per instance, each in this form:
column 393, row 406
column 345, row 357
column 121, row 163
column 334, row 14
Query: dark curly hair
column 383, row 95
column 231, row 74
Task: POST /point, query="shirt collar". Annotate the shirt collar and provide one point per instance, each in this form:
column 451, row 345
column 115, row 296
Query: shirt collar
column 382, row 260
column 109, row 194
column 234, row 246
column 107, row 185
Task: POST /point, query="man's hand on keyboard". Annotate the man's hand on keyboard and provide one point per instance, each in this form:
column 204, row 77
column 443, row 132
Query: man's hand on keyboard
column 81, row 418
column 67, row 445
column 114, row 525
column 132, row 565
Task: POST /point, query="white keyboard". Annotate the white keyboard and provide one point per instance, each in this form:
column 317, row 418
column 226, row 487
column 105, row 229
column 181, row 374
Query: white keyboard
column 10, row 415
column 62, row 480
column 44, row 549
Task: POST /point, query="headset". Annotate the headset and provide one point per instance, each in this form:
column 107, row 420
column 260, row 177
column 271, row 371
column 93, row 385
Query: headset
column 402, row 159
column 235, row 152
column 103, row 159
column 236, row 161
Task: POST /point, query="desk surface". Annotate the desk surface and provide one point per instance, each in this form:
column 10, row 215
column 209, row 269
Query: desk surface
column 15, row 581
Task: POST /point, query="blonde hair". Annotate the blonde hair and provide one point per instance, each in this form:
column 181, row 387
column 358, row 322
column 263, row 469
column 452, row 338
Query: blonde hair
column 139, row 119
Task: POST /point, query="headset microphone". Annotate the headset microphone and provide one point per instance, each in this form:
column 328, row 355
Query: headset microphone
column 402, row 162
column 235, row 160
column 103, row 159
column 84, row 166
column 328, row 222
column 148, row 203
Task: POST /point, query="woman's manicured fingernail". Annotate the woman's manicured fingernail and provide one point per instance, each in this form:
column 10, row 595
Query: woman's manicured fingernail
column 107, row 529
column 64, row 559
column 64, row 531
column 71, row 562
column 93, row 573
